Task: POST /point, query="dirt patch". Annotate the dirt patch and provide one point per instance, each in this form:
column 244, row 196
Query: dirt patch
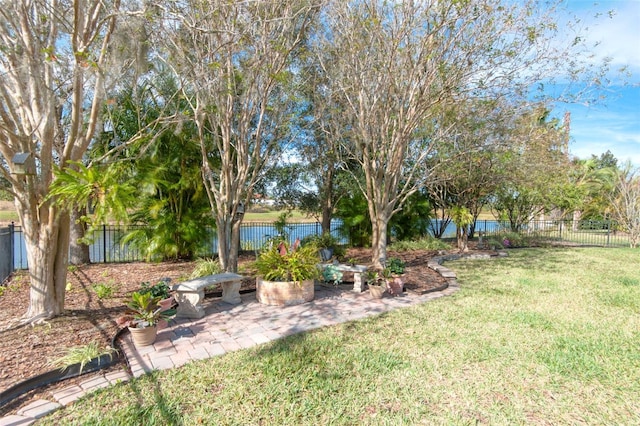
column 28, row 350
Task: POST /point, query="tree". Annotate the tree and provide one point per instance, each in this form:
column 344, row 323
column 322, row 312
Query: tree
column 397, row 66
column 625, row 202
column 533, row 169
column 55, row 59
column 462, row 217
column 465, row 167
column 232, row 61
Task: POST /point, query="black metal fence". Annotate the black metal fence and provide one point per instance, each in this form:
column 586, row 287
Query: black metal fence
column 107, row 243
column 6, row 252
column 584, row 232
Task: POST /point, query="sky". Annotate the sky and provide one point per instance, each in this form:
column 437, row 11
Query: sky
column 613, row 124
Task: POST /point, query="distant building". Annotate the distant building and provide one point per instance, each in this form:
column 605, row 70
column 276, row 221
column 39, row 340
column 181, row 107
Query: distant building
column 263, row 200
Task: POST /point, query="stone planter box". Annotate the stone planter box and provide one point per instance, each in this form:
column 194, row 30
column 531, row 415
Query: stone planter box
column 284, row 293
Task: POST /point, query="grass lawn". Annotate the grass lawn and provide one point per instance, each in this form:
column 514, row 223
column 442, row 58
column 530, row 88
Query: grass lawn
column 8, row 216
column 273, row 215
column 544, row 337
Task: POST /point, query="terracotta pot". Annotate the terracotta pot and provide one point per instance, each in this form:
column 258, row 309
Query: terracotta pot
column 396, row 286
column 376, row 291
column 284, row 293
column 166, row 304
column 143, row 336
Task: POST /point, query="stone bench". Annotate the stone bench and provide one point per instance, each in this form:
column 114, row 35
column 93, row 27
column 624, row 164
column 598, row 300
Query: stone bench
column 190, row 294
column 357, row 270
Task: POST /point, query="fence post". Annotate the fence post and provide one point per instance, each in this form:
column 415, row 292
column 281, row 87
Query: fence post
column 608, row 232
column 560, row 236
column 12, row 255
column 104, row 243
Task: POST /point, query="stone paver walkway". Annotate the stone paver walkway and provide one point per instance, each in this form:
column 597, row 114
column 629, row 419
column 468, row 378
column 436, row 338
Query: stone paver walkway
column 226, row 328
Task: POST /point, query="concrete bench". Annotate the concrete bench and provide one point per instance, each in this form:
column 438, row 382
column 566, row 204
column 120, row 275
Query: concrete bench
column 189, row 294
column 357, row 270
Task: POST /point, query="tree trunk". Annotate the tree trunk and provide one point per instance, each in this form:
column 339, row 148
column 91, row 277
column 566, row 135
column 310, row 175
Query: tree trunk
column 327, row 211
column 379, row 241
column 228, row 243
column 47, row 247
column 326, row 196
column 462, row 238
column 577, row 215
column 78, row 251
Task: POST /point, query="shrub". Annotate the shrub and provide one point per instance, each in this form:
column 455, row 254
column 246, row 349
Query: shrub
column 395, row 266
column 161, row 289
column 103, row 291
column 279, row 262
column 81, row 355
column 205, row 267
column 424, row 243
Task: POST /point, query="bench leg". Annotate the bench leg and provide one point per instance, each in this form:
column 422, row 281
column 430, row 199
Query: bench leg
column 189, row 304
column 357, row 282
column 231, row 293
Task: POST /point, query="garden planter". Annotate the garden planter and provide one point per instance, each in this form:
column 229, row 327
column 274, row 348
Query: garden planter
column 326, row 254
column 143, row 336
column 284, row 293
column 166, row 304
column 376, row 291
column 396, row 286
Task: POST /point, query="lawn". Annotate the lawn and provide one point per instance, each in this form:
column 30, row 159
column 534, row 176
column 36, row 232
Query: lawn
column 544, row 336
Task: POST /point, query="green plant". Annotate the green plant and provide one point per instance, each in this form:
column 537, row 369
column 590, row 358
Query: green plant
column 103, row 291
column 377, row 278
column 2, row 289
column 425, row 243
column 205, row 267
column 326, row 241
column 81, row 355
column 160, row 290
column 145, row 310
column 395, row 266
column 282, row 262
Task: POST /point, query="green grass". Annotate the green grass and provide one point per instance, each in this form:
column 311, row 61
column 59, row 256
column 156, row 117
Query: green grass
column 269, row 215
column 8, row 216
column 544, row 336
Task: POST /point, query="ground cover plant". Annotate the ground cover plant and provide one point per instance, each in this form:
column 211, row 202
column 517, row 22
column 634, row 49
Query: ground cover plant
column 544, row 336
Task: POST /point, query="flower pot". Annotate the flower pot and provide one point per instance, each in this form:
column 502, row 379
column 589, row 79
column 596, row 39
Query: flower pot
column 376, row 291
column 166, row 304
column 396, row 286
column 326, row 254
column 143, row 336
column 284, row 293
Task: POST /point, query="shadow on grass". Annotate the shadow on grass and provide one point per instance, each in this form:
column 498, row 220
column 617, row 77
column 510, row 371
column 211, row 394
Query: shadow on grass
column 162, row 411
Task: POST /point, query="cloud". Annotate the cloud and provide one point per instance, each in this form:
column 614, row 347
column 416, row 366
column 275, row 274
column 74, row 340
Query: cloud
column 617, row 31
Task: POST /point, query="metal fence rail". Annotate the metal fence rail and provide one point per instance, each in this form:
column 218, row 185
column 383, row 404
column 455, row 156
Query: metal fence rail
column 585, row 232
column 107, row 246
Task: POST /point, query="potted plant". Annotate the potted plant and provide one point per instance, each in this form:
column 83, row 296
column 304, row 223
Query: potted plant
column 144, row 317
column 160, row 290
column 377, row 283
column 328, row 246
column 394, row 270
column 286, row 273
